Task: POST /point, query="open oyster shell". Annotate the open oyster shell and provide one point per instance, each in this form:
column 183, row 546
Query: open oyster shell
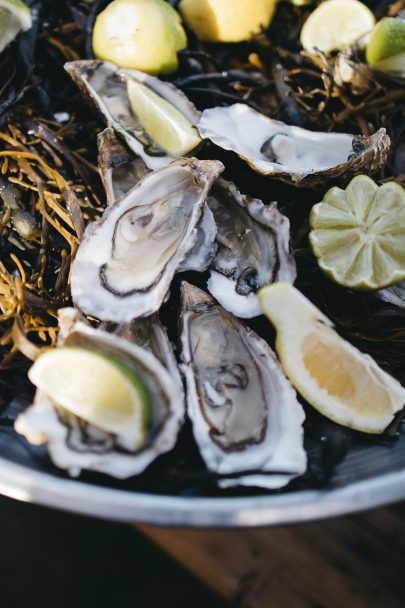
column 393, row 295
column 292, row 154
column 244, row 412
column 75, row 445
column 126, row 260
column 120, row 169
column 253, row 249
column 105, row 85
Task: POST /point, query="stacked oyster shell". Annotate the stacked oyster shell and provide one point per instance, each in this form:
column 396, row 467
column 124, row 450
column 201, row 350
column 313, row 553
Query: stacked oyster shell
column 166, row 216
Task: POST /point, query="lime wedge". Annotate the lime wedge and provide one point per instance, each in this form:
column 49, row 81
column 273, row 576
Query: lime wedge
column 164, row 123
column 334, row 377
column 96, row 388
column 387, row 45
column 15, row 16
column 336, row 24
column 358, row 234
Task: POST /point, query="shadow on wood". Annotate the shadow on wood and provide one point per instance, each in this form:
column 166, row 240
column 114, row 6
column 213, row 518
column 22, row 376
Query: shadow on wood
column 356, row 561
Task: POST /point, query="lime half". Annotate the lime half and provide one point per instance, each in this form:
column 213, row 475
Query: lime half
column 164, row 123
column 15, row 16
column 358, row 234
column 335, row 25
column 97, row 389
column 334, row 377
column 386, row 49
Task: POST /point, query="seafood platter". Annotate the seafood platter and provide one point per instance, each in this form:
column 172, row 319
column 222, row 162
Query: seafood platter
column 202, row 262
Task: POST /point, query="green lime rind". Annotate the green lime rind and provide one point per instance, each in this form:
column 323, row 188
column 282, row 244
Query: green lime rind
column 15, row 16
column 387, row 40
column 141, row 390
column 358, row 234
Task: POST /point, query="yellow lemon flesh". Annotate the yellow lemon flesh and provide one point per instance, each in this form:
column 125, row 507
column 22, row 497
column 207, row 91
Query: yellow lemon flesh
column 227, row 20
column 358, row 234
column 15, row 16
column 332, row 375
column 140, row 34
column 336, row 24
column 168, row 128
column 97, row 389
column 386, row 49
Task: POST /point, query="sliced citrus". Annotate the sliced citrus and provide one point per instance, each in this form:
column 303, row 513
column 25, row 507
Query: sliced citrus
column 338, row 380
column 336, row 24
column 15, row 16
column 96, row 388
column 165, row 124
column 386, row 49
column 358, row 234
column 140, row 34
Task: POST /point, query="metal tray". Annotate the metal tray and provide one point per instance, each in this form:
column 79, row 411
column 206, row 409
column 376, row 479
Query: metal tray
column 370, row 476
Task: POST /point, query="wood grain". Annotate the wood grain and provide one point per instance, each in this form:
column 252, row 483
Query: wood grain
column 351, row 562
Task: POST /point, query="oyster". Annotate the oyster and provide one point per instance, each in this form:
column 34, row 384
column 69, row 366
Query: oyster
column 244, row 412
column 74, row 444
column 120, row 169
column 126, row 260
column 253, row 249
column 203, row 251
column 150, row 334
column 105, row 84
column 292, row 154
column 393, row 295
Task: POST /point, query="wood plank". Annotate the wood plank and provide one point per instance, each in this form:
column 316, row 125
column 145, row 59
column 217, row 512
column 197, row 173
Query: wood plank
column 355, row 561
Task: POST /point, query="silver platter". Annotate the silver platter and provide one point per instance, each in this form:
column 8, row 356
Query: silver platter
column 369, row 477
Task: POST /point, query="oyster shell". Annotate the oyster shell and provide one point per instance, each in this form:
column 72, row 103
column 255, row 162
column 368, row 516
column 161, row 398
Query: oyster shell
column 126, row 260
column 244, row 411
column 393, row 295
column 292, row 154
column 253, row 249
column 75, row 445
column 150, row 334
column 105, row 85
column 119, row 168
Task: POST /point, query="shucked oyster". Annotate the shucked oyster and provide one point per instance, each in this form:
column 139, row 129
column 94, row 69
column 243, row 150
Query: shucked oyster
column 244, row 411
column 292, row 154
column 106, row 86
column 127, row 259
column 73, row 442
column 121, row 170
column 253, row 249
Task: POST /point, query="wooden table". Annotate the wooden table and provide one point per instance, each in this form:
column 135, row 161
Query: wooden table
column 349, row 562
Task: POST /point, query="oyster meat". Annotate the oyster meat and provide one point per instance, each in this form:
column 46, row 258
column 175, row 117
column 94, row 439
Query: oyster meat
column 106, row 86
column 73, row 443
column 292, row 154
column 126, row 260
column 119, row 168
column 244, row 412
column 253, row 249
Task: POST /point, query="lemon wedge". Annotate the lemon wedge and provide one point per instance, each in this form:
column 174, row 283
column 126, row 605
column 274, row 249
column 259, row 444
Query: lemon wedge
column 15, row 16
column 97, row 389
column 336, row 24
column 164, row 123
column 358, row 234
column 338, row 380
